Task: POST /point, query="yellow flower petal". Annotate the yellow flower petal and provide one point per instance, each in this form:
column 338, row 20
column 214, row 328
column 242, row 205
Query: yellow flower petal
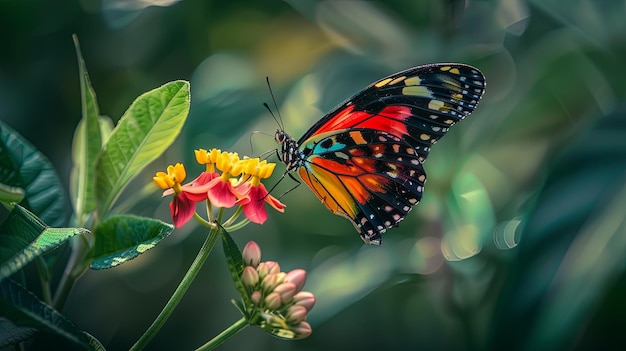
column 202, row 156
column 266, row 170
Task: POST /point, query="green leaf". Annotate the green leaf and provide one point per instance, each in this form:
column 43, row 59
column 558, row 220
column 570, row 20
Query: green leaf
column 24, row 309
column 23, row 238
column 11, row 334
column 10, row 195
column 86, row 146
column 23, row 166
column 234, row 261
column 145, row 131
column 121, row 238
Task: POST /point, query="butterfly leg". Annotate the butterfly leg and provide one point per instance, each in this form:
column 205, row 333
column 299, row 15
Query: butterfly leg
column 280, row 180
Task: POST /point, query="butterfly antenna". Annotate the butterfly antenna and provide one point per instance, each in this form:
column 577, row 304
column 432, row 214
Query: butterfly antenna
column 280, row 118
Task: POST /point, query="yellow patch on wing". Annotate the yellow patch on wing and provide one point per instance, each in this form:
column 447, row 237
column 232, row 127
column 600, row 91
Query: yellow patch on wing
column 397, row 80
column 436, row 105
column 415, row 80
column 382, row 83
column 416, row 90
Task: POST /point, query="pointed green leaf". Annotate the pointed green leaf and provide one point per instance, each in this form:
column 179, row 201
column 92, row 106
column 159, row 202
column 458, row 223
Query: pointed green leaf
column 121, row 238
column 23, row 166
column 24, row 309
column 23, row 238
column 145, row 131
column 86, row 146
column 234, row 261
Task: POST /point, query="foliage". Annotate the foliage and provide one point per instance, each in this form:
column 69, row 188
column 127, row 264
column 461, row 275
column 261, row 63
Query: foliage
column 517, row 243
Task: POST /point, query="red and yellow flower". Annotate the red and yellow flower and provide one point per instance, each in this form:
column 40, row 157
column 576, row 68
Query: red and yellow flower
column 239, row 183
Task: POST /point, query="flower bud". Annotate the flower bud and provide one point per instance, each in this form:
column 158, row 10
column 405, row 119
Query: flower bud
column 270, row 282
column 296, row 314
column 305, row 299
column 249, row 277
column 298, row 277
column 273, row 301
column 251, row 254
column 302, row 330
column 273, row 266
column 286, row 290
column 255, row 297
column 263, row 270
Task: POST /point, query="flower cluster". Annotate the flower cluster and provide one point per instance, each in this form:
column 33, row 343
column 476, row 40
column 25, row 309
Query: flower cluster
column 280, row 306
column 238, row 184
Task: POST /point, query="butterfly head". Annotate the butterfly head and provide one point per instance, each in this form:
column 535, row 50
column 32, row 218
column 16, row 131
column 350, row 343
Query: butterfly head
column 290, row 153
column 281, row 136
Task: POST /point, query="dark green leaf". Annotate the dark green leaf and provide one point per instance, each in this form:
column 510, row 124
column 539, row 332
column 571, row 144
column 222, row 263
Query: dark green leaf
column 23, row 238
column 23, row 166
column 235, row 265
column 145, row 131
column 25, row 309
column 11, row 334
column 122, row 238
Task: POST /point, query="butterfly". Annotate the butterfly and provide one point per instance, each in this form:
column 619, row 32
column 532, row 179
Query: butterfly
column 364, row 159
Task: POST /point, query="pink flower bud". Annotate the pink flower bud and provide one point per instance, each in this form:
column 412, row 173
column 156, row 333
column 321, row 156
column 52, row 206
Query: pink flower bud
column 302, row 330
column 273, row 266
column 286, row 290
column 273, row 301
column 271, row 281
column 263, row 270
column 296, row 314
column 298, row 277
column 251, row 254
column 249, row 277
column 304, row 298
column 255, row 297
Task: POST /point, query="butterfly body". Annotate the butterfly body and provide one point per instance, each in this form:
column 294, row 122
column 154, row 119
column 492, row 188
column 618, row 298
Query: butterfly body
column 364, row 159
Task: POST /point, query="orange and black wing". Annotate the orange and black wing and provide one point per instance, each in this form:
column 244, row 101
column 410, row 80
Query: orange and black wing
column 364, row 160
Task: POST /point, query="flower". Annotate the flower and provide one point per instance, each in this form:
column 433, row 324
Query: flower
column 183, row 205
column 276, row 302
column 254, row 194
column 227, row 181
column 221, row 190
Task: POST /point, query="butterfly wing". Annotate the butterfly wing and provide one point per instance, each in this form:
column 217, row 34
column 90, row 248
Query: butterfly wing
column 364, row 159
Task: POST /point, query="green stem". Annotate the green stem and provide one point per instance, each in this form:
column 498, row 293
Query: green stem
column 232, row 218
column 180, row 291
column 203, row 221
column 237, row 225
column 75, row 267
column 223, row 336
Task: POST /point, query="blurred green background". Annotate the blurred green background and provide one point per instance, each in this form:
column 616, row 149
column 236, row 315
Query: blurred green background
column 519, row 242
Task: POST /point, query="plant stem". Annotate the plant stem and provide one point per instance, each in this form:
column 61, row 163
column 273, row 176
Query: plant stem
column 75, row 266
column 223, row 336
column 180, row 291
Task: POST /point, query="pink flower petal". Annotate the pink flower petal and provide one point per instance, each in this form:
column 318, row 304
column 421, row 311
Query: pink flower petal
column 221, row 193
column 182, row 209
column 255, row 209
column 198, row 189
